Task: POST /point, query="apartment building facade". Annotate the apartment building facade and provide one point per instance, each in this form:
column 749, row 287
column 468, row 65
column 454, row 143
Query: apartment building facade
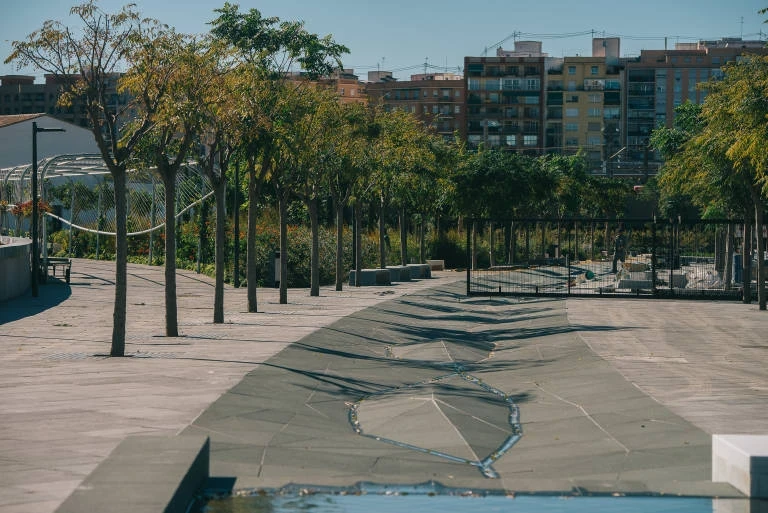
column 505, row 102
column 659, row 80
column 437, row 99
column 19, row 94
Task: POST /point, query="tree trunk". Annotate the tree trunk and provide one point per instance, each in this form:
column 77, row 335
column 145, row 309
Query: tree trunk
column 382, row 236
column 314, row 257
column 283, row 209
column 339, row 245
column 491, row 244
column 121, row 265
column 728, row 272
column 171, row 320
column 358, row 242
column 403, row 238
column 746, row 261
column 250, row 264
column 474, row 245
column 221, row 241
column 508, row 242
column 761, row 299
column 422, row 239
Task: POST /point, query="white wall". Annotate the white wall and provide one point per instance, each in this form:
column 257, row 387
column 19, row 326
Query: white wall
column 16, row 141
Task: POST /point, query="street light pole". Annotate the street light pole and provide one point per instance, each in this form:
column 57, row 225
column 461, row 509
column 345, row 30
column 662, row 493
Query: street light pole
column 35, row 209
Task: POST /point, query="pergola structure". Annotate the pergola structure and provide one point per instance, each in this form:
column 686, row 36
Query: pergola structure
column 89, row 201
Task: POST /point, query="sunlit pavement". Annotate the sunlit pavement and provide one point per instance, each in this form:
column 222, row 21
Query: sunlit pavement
column 613, row 395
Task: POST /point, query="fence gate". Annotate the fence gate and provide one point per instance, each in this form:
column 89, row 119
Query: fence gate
column 576, row 257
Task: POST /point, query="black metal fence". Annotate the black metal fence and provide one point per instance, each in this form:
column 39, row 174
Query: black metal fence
column 578, row 257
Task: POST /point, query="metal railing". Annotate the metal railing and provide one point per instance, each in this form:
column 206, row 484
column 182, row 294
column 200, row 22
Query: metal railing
column 577, row 257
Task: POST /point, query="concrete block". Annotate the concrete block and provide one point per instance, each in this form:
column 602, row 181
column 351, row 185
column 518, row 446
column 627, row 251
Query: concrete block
column 634, row 284
column 371, row 277
column 145, row 473
column 742, row 461
column 420, row 271
column 399, row 273
column 436, row 265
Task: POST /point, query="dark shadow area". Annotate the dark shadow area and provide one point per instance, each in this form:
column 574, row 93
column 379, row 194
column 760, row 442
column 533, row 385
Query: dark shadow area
column 50, row 295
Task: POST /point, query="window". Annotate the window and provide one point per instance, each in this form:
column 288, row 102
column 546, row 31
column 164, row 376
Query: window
column 571, row 70
column 434, row 109
column 571, row 141
column 510, row 112
column 571, row 127
column 595, row 98
column 530, row 140
column 571, row 85
column 572, row 98
column 613, row 85
column 594, row 140
column 511, row 83
column 531, row 100
column 533, row 84
column 473, row 84
column 492, row 84
column 593, row 127
column 595, row 70
column 434, row 93
column 493, row 97
column 457, row 109
column 494, row 141
column 593, row 112
column 611, row 112
column 342, row 91
column 511, row 140
column 572, row 113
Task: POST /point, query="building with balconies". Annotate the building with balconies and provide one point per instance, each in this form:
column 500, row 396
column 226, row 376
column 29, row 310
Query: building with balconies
column 584, row 106
column 437, row 99
column 505, row 102
column 658, row 81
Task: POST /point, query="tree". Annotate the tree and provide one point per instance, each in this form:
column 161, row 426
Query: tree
column 267, row 50
column 215, row 97
column 313, row 145
column 164, row 76
column 735, row 113
column 86, row 61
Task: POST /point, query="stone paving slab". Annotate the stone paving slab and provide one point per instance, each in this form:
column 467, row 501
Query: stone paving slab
column 614, row 395
column 63, row 409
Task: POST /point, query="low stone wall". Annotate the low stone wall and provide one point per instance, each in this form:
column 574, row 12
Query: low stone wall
column 15, row 269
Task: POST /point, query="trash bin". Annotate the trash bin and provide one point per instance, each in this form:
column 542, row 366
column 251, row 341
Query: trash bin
column 277, row 269
column 737, row 268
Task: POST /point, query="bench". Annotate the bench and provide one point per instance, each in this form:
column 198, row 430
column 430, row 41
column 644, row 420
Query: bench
column 436, row 265
column 63, row 263
column 742, row 461
column 419, row 271
column 371, row 277
column 399, row 273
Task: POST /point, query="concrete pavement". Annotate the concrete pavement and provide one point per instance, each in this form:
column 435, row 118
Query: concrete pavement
column 613, row 395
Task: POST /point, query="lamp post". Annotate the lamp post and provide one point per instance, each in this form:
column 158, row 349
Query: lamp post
column 35, row 212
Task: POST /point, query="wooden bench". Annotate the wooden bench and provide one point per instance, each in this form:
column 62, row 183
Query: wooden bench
column 63, row 263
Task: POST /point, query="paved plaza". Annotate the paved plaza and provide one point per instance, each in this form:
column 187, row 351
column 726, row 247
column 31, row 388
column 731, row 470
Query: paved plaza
column 399, row 384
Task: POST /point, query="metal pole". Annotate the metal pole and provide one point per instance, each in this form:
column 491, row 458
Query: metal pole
column 35, row 263
column 98, row 220
column 201, row 221
column 236, row 214
column 71, row 217
column 152, row 222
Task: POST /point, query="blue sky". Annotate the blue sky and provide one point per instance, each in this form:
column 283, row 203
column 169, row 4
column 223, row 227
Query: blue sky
column 400, row 35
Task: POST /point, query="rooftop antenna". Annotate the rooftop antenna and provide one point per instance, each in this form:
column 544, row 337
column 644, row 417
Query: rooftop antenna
column 741, row 32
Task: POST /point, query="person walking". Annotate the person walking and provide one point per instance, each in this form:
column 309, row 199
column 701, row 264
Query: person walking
column 619, row 248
